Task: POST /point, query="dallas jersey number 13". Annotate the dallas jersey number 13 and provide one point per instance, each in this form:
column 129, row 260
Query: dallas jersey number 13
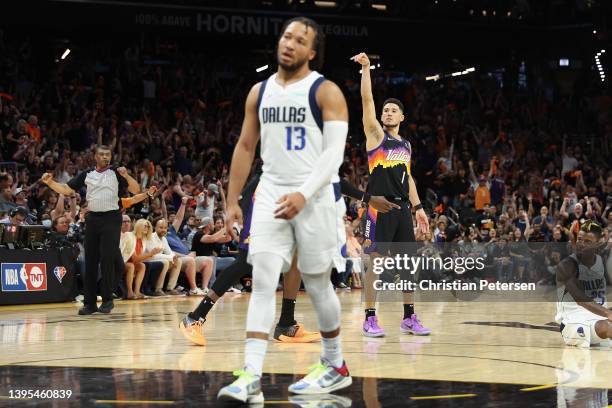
column 296, row 137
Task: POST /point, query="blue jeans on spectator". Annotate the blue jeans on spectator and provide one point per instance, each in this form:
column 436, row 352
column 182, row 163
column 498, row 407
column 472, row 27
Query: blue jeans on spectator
column 152, row 271
column 344, row 276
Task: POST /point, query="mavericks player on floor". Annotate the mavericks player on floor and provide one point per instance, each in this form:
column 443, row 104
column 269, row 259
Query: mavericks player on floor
column 302, row 120
column 389, row 166
column 581, row 290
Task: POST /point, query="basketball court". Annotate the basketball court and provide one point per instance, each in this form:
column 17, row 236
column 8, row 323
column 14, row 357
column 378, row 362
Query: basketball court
column 480, row 354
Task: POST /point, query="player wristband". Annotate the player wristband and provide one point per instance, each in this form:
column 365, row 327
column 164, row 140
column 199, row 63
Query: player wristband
column 419, row 206
column 366, row 197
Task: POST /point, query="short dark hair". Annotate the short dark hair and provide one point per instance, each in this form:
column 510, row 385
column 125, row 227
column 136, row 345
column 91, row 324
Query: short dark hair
column 155, row 220
column 319, row 40
column 395, row 101
column 103, row 147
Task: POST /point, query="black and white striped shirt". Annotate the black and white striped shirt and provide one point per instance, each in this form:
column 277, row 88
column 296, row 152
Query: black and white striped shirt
column 104, row 188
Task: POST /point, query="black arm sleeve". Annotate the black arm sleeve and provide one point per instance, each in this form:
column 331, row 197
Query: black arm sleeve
column 350, row 190
column 78, row 182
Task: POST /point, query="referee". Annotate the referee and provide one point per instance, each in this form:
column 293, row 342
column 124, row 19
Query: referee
column 105, row 187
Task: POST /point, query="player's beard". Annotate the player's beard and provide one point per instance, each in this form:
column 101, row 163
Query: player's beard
column 296, row 66
column 390, row 126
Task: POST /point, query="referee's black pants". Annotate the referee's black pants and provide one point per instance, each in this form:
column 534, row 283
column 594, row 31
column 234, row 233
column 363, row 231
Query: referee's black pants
column 102, row 234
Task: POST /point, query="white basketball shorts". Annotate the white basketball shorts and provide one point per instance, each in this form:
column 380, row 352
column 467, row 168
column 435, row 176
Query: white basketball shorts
column 579, row 329
column 313, row 232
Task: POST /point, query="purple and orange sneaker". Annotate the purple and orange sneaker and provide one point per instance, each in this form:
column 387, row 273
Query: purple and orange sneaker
column 412, row 325
column 371, row 328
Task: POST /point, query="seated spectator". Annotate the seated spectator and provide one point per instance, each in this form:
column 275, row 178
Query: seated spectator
column 225, row 249
column 134, row 271
column 353, row 262
column 205, row 241
column 440, row 233
column 158, row 240
column 58, row 236
column 16, row 216
column 191, row 263
column 545, row 219
column 190, row 229
column 45, row 220
column 7, row 201
column 143, row 232
column 20, row 196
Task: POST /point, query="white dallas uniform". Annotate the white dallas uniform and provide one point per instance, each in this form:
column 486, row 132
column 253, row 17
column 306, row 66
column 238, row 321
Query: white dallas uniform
column 579, row 322
column 291, row 131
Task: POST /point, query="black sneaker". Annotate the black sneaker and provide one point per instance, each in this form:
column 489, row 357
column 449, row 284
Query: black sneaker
column 106, row 307
column 86, row 310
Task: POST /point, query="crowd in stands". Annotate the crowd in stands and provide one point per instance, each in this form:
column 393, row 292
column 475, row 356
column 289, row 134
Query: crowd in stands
column 495, row 162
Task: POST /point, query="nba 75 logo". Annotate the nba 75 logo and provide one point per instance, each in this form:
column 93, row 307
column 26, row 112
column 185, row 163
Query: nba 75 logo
column 24, row 277
column 59, row 272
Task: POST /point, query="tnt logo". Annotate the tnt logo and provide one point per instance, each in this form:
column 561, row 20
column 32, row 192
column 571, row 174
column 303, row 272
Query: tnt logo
column 23, row 277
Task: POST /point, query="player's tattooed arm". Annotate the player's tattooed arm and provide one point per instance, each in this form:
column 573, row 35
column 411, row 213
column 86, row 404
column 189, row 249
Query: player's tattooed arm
column 567, row 275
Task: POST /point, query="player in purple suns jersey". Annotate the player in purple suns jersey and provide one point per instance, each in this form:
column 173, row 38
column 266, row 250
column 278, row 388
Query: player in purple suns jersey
column 389, row 166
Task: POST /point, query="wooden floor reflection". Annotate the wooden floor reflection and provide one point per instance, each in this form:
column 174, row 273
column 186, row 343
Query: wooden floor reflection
column 509, row 345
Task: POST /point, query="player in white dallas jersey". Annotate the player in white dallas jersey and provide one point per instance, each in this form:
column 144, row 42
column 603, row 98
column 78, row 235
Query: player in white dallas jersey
column 581, row 292
column 302, row 121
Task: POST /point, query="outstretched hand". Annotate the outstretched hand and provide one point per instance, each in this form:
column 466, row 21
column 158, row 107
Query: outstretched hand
column 122, row 172
column 362, row 59
column 46, row 178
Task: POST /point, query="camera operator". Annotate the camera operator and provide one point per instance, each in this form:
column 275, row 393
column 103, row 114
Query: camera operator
column 58, row 236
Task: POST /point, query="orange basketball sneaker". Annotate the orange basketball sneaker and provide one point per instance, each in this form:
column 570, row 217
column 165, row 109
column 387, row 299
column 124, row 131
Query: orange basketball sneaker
column 295, row 334
column 192, row 330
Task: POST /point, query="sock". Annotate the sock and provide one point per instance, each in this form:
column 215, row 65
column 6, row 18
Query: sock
column 254, row 353
column 370, row 312
column 287, row 317
column 408, row 310
column 332, row 351
column 203, row 308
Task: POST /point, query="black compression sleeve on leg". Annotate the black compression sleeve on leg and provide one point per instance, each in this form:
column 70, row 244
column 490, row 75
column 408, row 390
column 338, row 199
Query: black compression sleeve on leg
column 232, row 274
column 203, row 308
column 287, row 317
